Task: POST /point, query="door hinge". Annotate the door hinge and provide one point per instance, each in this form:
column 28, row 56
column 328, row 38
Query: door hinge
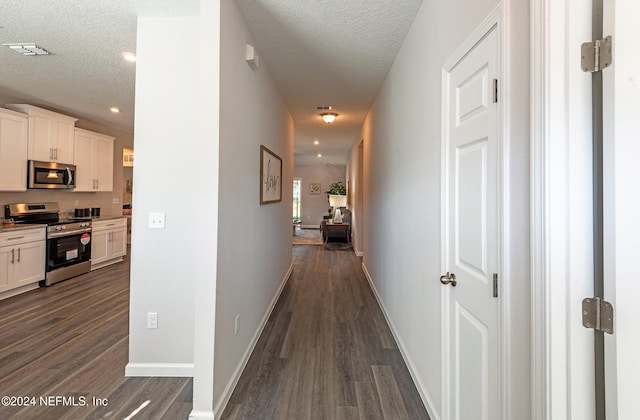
column 495, row 285
column 495, row 91
column 596, row 55
column 597, row 314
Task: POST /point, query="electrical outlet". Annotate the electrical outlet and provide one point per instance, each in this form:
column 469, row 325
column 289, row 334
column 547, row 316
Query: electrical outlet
column 76, row 203
column 115, row 200
column 156, row 220
column 237, row 325
column 152, row 320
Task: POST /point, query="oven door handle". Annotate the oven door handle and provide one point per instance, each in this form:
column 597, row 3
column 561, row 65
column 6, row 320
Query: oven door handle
column 61, row 234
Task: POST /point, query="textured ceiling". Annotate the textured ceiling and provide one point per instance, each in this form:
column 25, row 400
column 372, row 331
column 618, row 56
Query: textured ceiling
column 322, row 52
column 85, row 74
column 328, row 52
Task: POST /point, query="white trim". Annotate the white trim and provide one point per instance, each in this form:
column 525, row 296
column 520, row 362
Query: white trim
column 19, row 290
column 166, row 370
column 539, row 369
column 204, row 415
column 422, row 390
column 504, row 287
column 494, row 21
column 445, row 363
column 235, row 377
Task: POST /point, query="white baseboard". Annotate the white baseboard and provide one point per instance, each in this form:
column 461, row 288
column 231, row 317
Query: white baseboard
column 422, row 390
column 231, row 385
column 19, row 290
column 168, row 370
column 197, row 415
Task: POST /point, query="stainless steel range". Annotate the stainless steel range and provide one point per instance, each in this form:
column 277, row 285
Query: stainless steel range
column 68, row 240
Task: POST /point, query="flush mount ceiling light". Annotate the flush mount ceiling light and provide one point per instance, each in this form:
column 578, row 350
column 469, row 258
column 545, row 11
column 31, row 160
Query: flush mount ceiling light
column 329, row 117
column 114, row 110
column 27, row 48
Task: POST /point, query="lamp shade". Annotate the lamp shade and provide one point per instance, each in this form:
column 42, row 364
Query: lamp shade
column 337, row 200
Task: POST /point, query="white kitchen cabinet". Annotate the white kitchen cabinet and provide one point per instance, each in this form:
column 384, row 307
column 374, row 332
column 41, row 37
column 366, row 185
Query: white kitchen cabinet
column 108, row 242
column 94, row 161
column 13, row 151
column 50, row 134
column 22, row 260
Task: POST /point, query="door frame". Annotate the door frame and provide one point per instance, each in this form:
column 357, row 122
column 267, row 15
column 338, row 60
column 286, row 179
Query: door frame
column 561, row 253
column 494, row 21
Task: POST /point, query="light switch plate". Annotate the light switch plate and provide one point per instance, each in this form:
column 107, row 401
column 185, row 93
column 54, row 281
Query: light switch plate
column 156, row 220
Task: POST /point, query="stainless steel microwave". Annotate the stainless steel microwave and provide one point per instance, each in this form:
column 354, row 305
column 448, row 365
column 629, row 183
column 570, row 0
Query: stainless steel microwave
column 51, row 175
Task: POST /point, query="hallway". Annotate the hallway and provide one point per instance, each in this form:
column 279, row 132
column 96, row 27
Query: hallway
column 326, row 351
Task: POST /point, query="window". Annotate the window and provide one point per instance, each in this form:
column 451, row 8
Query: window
column 296, row 198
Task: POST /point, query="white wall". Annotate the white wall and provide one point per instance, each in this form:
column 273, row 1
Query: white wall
column 164, row 267
column 315, row 206
column 402, row 177
column 355, row 182
column 254, row 242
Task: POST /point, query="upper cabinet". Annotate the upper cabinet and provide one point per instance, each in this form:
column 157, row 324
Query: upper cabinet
column 51, row 135
column 94, row 161
column 13, row 151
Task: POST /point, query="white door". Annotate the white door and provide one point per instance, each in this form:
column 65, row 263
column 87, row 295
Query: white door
column 621, row 98
column 471, row 200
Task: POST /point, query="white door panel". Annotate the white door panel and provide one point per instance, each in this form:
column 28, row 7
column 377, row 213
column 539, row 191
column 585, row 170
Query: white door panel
column 471, row 244
column 471, row 217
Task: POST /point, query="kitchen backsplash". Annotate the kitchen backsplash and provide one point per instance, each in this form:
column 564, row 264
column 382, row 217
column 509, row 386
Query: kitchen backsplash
column 66, row 200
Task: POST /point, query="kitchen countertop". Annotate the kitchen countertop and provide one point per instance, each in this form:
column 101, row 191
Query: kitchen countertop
column 21, row 227
column 101, row 218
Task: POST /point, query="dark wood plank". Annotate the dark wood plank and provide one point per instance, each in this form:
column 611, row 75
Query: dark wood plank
column 336, row 355
column 71, row 340
column 326, row 351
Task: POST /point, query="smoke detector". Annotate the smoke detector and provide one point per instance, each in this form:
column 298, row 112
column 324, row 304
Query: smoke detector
column 27, row 48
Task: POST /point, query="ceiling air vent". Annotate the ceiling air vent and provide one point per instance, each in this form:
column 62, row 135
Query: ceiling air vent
column 27, row 49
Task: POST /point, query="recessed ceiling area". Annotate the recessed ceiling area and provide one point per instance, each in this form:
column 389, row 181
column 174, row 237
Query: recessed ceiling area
column 320, row 53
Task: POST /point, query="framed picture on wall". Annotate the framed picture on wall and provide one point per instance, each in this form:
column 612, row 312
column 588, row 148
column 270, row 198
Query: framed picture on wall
column 270, row 176
column 314, row 188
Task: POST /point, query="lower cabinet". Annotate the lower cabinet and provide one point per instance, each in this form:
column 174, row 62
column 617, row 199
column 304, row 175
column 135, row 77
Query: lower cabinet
column 108, row 242
column 22, row 260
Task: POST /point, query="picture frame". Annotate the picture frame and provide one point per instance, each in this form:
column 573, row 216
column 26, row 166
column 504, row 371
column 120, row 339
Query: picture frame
column 315, row 188
column 270, row 176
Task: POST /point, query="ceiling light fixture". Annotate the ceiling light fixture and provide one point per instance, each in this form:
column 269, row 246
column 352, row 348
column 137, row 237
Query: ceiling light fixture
column 319, row 155
column 329, row 117
column 114, row 110
column 316, row 142
column 27, row 48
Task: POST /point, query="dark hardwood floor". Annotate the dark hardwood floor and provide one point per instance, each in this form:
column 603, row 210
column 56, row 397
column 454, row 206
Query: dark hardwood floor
column 326, row 351
column 68, row 344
